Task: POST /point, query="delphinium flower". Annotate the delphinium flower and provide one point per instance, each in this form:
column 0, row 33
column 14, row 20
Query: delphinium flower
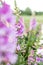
column 20, row 27
column 42, row 59
column 31, row 57
column 30, row 60
column 8, row 38
column 38, row 59
column 32, row 24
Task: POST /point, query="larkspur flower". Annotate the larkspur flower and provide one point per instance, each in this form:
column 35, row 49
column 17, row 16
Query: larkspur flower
column 20, row 27
column 38, row 59
column 8, row 38
column 32, row 52
column 30, row 60
column 33, row 24
column 42, row 59
column 5, row 9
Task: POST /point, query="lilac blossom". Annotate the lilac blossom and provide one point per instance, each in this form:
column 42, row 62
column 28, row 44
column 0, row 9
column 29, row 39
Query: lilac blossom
column 20, row 27
column 33, row 24
column 38, row 59
column 30, row 60
column 8, row 38
column 42, row 59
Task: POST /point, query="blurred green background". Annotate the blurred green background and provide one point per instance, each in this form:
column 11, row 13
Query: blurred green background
column 27, row 18
column 27, row 15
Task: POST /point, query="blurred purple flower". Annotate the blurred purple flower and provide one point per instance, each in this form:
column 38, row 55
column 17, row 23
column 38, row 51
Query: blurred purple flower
column 4, row 9
column 33, row 24
column 20, row 27
column 8, row 64
column 42, row 59
column 38, row 59
column 32, row 52
column 35, row 64
column 30, row 60
column 8, row 38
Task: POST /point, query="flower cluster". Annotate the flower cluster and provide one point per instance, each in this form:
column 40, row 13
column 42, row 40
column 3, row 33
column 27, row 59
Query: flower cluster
column 28, row 44
column 14, row 44
column 20, row 27
column 35, row 60
column 8, row 38
column 33, row 24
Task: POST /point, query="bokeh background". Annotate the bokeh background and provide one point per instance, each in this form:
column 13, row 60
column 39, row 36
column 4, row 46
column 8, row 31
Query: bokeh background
column 27, row 7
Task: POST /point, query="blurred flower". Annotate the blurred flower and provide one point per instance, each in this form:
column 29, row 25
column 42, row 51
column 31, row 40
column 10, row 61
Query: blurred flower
column 42, row 59
column 32, row 52
column 8, row 64
column 6, row 14
column 40, row 51
column 38, row 59
column 35, row 64
column 30, row 60
column 18, row 47
column 31, row 57
column 20, row 27
column 33, row 24
column 8, row 38
column 5, row 8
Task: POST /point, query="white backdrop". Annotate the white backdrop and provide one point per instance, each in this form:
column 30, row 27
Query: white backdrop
column 22, row 4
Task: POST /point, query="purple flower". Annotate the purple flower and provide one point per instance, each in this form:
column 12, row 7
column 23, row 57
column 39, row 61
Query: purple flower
column 32, row 52
column 38, row 59
column 8, row 38
column 42, row 59
column 20, row 27
column 5, row 8
column 30, row 60
column 32, row 24
column 8, row 64
column 6, row 14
